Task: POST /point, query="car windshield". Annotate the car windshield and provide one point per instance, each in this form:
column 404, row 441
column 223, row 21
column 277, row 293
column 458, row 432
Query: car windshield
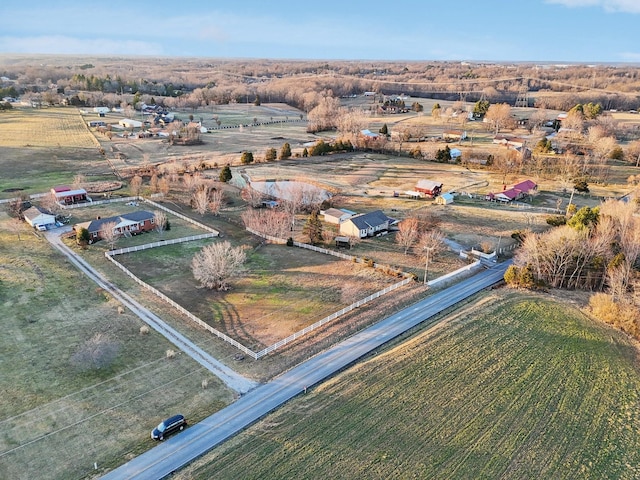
column 161, row 427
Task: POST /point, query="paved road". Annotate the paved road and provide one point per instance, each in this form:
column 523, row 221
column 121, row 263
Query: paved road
column 181, row 449
column 232, row 379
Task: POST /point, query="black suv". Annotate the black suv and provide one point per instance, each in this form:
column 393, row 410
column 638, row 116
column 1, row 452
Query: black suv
column 169, row 426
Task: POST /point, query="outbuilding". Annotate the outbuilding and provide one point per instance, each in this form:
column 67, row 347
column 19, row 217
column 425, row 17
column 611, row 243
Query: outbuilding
column 39, row 218
column 444, row 199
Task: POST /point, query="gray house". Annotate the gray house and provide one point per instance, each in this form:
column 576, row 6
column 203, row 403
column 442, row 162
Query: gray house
column 365, row 224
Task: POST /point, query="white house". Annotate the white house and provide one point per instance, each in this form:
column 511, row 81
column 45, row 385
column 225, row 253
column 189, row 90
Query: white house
column 102, row 110
column 39, row 218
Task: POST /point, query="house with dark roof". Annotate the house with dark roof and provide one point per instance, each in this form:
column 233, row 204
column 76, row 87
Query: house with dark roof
column 126, row 224
column 365, row 224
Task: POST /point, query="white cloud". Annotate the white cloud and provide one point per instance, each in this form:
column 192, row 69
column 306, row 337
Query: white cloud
column 58, row 44
column 630, row 56
column 623, row 6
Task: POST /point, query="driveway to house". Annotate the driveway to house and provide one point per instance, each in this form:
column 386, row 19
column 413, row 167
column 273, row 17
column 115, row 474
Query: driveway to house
column 173, row 454
column 232, row 379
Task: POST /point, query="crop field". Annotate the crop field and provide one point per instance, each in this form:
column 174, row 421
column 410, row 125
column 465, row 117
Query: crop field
column 514, row 386
column 57, row 419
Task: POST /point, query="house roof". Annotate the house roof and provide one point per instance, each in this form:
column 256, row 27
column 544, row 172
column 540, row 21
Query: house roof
column 510, row 193
column 447, row 196
column 335, row 212
column 61, row 188
column 525, row 186
column 34, row 212
column 368, row 220
column 68, row 193
column 428, row 184
column 120, row 220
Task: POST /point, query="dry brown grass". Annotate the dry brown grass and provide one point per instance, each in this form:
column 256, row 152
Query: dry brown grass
column 50, row 127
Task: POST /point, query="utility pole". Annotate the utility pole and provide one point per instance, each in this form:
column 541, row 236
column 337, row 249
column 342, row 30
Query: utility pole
column 426, row 265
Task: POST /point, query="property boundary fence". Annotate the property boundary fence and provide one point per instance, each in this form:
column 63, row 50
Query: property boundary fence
column 329, row 318
column 255, row 355
column 100, row 202
column 181, row 309
column 161, row 243
column 183, row 217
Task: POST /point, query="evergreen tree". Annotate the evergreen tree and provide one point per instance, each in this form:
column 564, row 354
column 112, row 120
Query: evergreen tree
column 305, row 152
column 247, row 158
column 225, row 174
column 384, row 130
column 270, row 155
column 83, row 237
column 313, row 228
column 285, row 152
column 257, row 102
column 481, row 107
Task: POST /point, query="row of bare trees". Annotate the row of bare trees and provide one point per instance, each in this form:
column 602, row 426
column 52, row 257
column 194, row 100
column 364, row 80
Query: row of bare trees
column 597, row 251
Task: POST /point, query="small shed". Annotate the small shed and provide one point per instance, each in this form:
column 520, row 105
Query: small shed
column 445, row 199
column 343, row 242
column 455, row 153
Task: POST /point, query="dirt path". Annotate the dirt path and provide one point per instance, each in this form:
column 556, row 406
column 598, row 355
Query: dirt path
column 232, row 379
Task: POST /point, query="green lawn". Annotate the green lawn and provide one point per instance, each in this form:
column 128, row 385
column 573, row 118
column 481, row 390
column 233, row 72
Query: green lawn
column 521, row 387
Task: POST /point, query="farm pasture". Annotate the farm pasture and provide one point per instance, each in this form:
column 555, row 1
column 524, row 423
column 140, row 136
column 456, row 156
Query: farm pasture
column 284, row 289
column 513, row 386
column 56, row 419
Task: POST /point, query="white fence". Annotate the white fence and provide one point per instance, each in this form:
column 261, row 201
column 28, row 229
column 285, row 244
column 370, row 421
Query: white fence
column 181, row 309
column 454, row 274
column 183, row 217
column 331, row 317
column 100, row 202
column 161, row 243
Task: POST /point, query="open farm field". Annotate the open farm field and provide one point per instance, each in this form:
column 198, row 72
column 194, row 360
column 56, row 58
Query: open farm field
column 513, row 386
column 49, row 127
column 284, row 289
column 57, row 419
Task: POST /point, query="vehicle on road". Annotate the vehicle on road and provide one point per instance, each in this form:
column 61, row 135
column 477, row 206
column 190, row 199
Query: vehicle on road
column 168, row 426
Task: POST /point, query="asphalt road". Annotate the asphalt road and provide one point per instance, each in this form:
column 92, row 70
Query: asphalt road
column 196, row 440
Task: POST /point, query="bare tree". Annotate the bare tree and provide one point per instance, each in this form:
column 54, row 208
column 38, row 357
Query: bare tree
column 430, row 245
column 50, row 202
column 216, row 264
column 216, row 201
column 499, row 116
column 200, row 200
column 135, row 185
column 96, row 353
column 268, row 222
column 408, row 233
column 79, row 181
column 164, row 185
column 252, row 196
column 109, row 233
column 160, row 221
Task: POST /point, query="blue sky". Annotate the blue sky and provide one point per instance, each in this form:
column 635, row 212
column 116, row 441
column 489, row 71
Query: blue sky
column 590, row 31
